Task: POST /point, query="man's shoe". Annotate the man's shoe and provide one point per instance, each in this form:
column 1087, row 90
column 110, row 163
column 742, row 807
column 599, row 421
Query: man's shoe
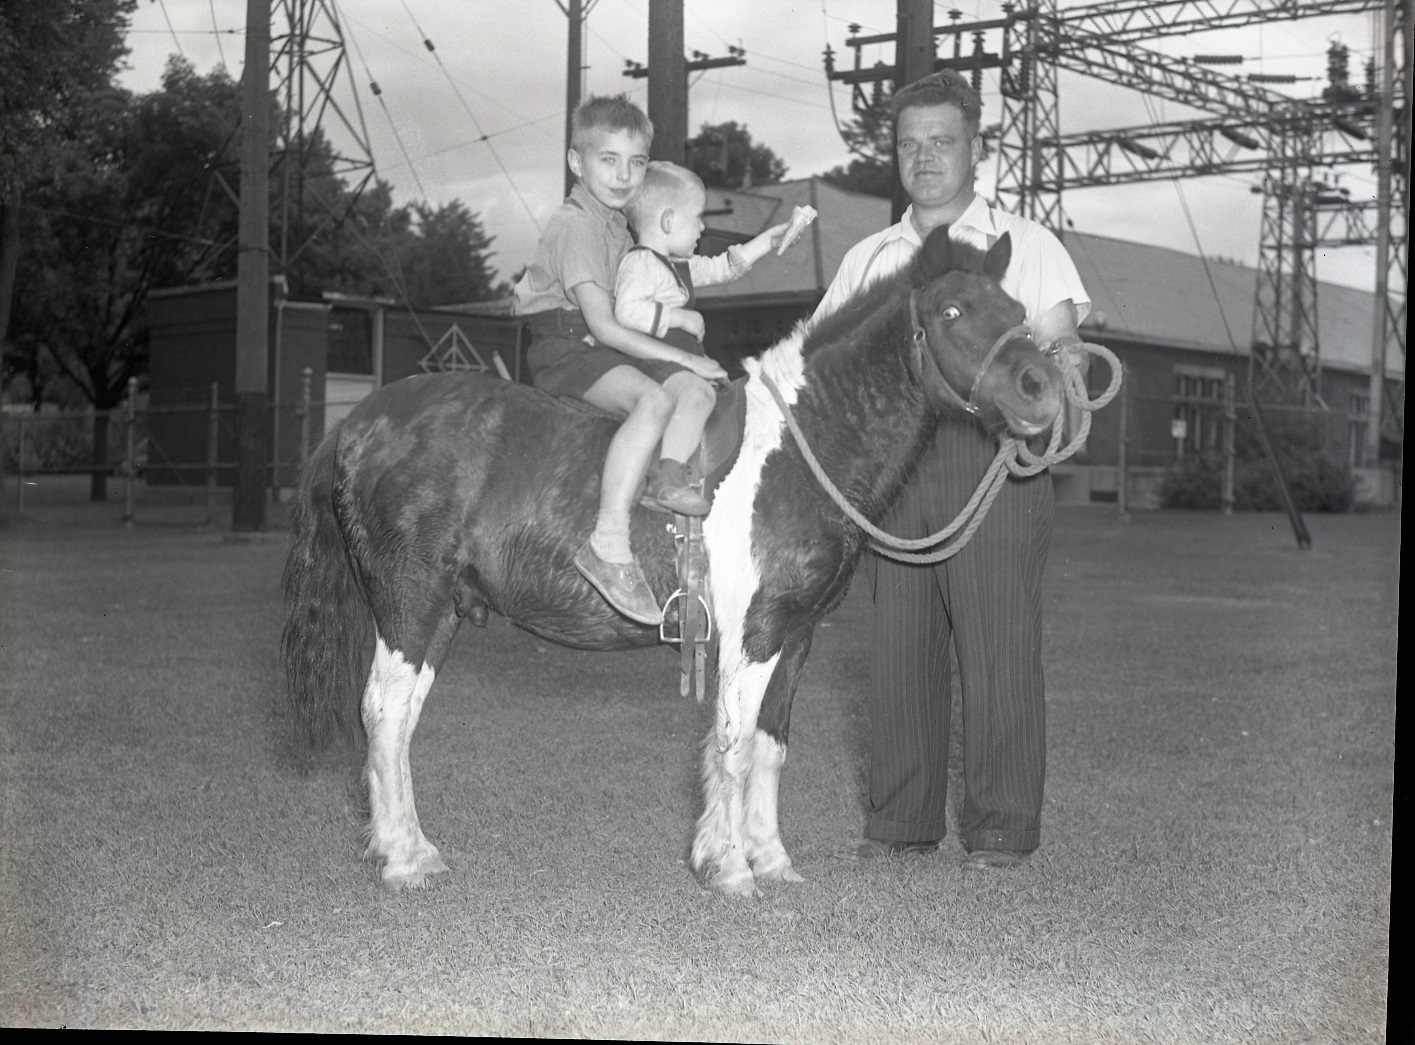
column 993, row 859
column 622, row 584
column 874, row 849
column 671, row 487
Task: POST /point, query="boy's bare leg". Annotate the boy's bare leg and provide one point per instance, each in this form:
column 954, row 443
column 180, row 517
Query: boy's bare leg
column 693, row 400
column 607, row 560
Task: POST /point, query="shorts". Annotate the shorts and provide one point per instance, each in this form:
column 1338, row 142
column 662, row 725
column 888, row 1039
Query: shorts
column 562, row 362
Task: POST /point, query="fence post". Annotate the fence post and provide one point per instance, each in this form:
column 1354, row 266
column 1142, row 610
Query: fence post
column 213, row 440
column 306, row 378
column 130, row 457
column 1230, row 423
column 19, row 464
column 1124, row 457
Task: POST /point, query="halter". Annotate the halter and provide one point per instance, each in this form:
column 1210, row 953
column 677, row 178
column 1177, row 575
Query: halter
column 921, row 348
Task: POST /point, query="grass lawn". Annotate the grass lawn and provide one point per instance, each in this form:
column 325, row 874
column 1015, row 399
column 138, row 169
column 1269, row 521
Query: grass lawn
column 1215, row 864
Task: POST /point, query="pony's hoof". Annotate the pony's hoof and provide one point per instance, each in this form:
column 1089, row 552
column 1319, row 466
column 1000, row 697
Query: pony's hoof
column 415, row 876
column 782, row 872
column 740, row 883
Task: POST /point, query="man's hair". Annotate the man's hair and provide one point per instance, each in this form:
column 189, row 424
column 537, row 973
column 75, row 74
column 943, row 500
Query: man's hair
column 945, row 87
column 606, row 113
column 665, row 184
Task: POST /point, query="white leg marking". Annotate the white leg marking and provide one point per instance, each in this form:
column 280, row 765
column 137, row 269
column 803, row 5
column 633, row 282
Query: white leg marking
column 721, row 847
column 765, row 852
column 393, row 701
column 720, row 853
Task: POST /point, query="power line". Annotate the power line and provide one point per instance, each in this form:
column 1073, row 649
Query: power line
column 472, row 115
column 163, row 4
column 378, row 94
column 211, row 6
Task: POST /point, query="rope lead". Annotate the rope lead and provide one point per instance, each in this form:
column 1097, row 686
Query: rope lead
column 1014, row 457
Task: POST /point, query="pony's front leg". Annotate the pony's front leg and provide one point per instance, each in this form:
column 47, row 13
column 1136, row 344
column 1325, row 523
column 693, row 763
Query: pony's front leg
column 393, row 700
column 720, row 856
column 765, row 851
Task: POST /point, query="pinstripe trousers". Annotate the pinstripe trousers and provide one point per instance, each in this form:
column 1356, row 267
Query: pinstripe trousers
column 986, row 602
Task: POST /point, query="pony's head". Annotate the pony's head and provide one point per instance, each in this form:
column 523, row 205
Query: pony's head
column 971, row 348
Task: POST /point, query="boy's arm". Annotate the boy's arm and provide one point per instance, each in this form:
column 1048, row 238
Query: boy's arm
column 598, row 309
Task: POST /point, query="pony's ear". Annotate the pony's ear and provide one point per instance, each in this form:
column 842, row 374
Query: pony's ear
column 999, row 256
column 937, row 256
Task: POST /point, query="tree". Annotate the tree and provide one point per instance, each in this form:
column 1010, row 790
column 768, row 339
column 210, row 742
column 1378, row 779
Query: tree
column 870, row 139
column 109, row 226
column 53, row 57
column 725, row 157
column 143, row 197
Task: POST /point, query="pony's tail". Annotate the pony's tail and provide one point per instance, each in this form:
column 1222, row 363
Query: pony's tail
column 327, row 643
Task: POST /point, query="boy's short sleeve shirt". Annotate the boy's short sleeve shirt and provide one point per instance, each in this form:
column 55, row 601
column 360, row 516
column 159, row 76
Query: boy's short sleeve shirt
column 583, row 242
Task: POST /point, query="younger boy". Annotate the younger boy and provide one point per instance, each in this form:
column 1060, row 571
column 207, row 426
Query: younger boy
column 654, row 294
column 579, row 348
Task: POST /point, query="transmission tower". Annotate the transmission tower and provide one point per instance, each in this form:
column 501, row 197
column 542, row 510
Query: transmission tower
column 1293, row 144
column 311, row 73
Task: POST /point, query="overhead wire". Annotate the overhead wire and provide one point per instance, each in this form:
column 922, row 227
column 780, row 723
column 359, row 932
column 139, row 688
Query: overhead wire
column 166, row 18
column 427, row 43
column 216, row 29
column 378, row 94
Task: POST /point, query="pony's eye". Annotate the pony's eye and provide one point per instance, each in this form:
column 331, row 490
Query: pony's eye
column 952, row 312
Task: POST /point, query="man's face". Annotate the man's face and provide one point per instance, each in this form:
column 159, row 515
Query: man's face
column 937, row 154
column 612, row 166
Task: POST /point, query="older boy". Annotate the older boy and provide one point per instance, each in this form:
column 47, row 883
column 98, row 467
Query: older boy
column 579, row 348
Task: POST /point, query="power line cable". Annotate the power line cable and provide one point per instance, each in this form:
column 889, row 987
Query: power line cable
column 473, row 116
column 211, row 6
column 163, row 4
column 378, row 94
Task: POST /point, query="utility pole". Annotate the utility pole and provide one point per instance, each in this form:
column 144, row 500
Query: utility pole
column 667, row 74
column 253, row 276
column 574, row 74
column 913, row 58
column 668, row 81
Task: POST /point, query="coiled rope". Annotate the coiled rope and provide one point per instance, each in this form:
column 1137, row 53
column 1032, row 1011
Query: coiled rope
column 1014, row 457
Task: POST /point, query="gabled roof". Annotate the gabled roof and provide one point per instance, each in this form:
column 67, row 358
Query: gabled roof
column 1139, row 292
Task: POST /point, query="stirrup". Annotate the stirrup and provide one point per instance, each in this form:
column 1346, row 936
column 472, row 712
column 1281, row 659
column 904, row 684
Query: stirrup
column 663, row 626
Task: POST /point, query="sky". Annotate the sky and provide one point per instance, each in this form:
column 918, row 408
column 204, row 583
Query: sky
column 485, row 124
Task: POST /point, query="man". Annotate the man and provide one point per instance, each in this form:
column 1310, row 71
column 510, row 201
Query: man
column 986, row 599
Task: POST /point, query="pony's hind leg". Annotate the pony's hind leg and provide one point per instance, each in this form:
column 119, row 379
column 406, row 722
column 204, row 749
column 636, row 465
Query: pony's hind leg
column 393, row 702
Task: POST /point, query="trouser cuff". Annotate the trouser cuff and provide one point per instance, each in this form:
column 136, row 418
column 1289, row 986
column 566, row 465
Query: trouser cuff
column 1015, row 841
column 882, row 830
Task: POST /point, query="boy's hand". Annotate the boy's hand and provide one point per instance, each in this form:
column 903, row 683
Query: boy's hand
column 705, row 367
column 689, row 320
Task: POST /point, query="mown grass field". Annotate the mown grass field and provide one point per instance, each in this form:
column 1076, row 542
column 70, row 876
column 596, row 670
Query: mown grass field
column 1215, row 864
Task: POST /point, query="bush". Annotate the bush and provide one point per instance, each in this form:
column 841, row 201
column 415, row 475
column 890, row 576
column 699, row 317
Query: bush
column 1317, row 484
column 1196, row 481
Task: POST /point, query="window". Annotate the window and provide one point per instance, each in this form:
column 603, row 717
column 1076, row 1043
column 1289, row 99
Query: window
column 1198, row 409
column 350, row 341
column 1358, row 422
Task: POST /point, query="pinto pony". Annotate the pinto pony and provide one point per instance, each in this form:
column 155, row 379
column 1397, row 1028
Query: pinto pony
column 446, row 496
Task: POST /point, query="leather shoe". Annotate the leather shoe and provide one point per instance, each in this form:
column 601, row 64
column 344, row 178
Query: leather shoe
column 671, row 488
column 993, row 859
column 874, row 849
column 622, row 584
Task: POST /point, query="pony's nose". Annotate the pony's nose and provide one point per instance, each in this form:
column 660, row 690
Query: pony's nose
column 1032, row 383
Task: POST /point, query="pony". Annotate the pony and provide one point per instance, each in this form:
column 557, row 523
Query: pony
column 446, row 496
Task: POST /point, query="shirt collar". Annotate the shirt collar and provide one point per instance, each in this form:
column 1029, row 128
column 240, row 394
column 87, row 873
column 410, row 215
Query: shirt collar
column 977, row 217
column 608, row 215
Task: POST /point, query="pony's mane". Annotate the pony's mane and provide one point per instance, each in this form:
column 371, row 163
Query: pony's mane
column 864, row 302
